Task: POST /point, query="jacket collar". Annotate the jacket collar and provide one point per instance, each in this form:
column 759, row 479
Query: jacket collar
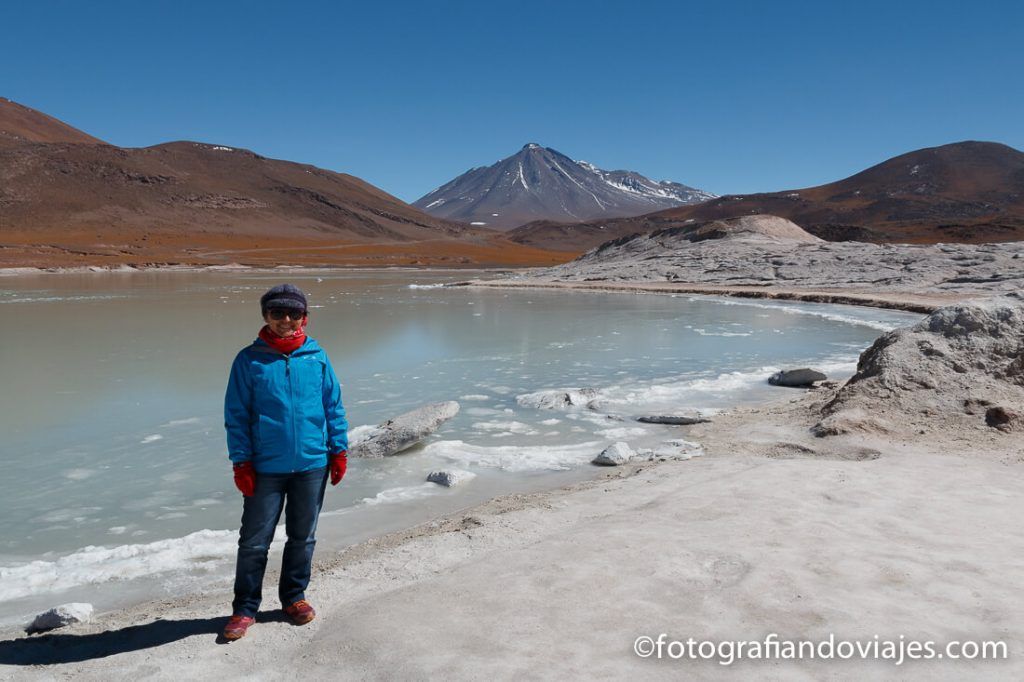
column 310, row 346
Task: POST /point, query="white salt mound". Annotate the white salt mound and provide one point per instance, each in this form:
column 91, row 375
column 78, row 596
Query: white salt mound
column 752, row 226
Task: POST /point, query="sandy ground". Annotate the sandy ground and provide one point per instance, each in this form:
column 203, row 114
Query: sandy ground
column 770, row 532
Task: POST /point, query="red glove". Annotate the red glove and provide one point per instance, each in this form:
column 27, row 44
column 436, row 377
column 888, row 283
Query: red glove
column 339, row 463
column 245, row 479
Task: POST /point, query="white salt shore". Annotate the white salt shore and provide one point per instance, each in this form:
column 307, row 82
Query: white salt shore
column 761, row 535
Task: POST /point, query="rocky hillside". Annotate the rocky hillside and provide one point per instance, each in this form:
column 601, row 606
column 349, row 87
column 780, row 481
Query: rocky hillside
column 21, row 124
column 971, row 192
column 539, row 183
column 65, row 195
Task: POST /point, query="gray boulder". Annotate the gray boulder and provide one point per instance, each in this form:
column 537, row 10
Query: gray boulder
column 615, row 454
column 450, row 478
column 59, row 616
column 796, row 378
column 676, row 419
column 404, row 431
column 958, row 369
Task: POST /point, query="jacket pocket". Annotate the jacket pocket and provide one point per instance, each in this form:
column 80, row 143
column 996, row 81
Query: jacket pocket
column 309, row 377
column 273, row 437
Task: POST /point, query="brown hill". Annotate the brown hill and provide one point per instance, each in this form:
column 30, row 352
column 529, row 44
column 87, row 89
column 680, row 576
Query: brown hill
column 964, row 192
column 66, row 198
column 19, row 123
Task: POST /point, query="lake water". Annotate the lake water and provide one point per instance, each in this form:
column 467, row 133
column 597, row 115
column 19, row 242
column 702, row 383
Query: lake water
column 116, row 483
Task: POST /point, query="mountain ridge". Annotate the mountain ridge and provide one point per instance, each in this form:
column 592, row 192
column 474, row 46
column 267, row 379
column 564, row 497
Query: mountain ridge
column 541, row 182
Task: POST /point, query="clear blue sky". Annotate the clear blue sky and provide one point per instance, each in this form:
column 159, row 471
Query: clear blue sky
column 733, row 97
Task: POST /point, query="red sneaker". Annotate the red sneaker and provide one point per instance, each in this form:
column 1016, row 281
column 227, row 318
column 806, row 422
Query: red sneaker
column 301, row 612
column 237, row 625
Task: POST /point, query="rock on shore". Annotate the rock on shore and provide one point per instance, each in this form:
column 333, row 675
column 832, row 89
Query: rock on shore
column 951, row 370
column 796, row 378
column 59, row 616
column 450, row 478
column 674, row 419
column 404, row 431
column 615, row 454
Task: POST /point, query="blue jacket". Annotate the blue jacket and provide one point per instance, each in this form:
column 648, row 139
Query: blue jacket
column 283, row 412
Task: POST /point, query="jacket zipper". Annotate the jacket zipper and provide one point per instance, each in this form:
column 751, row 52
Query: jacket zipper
column 291, row 405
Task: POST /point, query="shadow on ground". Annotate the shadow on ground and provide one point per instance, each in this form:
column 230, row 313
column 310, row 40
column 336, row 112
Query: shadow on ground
column 71, row 648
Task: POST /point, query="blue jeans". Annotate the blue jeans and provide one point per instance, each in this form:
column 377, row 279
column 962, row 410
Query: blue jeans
column 300, row 495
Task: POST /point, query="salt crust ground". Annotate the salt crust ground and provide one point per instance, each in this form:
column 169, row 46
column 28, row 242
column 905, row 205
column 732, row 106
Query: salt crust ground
column 773, row 530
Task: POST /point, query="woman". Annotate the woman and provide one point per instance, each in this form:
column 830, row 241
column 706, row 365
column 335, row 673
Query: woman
column 287, row 433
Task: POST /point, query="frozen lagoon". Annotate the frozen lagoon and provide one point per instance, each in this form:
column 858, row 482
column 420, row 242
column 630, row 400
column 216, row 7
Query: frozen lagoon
column 112, row 404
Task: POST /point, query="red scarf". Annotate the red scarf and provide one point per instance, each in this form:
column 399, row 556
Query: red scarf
column 283, row 344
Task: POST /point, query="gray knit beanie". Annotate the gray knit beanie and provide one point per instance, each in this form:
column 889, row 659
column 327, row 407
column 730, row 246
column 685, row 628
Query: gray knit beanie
column 283, row 296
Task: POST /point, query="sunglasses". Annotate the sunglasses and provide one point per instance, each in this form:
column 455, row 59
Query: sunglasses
column 281, row 313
